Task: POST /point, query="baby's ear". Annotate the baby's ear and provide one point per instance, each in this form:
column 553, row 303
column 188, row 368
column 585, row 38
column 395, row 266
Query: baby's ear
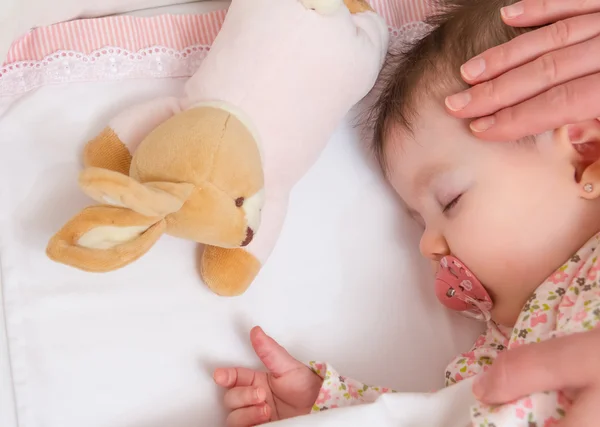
column 104, row 238
column 584, row 139
column 150, row 199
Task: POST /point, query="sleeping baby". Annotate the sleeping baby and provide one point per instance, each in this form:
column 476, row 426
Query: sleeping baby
column 513, row 229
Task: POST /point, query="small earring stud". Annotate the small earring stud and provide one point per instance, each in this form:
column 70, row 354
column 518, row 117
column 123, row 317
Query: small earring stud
column 588, row 188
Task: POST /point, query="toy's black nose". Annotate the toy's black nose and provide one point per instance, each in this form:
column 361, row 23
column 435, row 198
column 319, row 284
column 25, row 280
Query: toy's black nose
column 249, row 237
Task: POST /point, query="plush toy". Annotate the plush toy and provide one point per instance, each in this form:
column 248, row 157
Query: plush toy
column 278, row 80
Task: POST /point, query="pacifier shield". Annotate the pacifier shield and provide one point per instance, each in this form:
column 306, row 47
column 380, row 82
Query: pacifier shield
column 459, row 290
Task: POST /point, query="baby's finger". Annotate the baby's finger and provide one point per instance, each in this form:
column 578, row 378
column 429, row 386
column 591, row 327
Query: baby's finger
column 240, row 397
column 275, row 358
column 251, row 416
column 234, row 377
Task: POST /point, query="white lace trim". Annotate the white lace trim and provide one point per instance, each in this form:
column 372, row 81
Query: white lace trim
column 106, row 64
column 409, row 33
column 116, row 63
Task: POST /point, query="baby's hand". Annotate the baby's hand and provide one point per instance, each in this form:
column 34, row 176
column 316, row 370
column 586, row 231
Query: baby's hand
column 289, row 388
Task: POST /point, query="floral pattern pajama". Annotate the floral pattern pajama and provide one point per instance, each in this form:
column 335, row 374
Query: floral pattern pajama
column 567, row 302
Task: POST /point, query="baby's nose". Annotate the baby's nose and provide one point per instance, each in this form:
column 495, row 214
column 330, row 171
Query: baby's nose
column 249, row 237
column 433, row 245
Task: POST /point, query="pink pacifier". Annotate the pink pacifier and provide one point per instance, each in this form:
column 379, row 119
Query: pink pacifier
column 458, row 289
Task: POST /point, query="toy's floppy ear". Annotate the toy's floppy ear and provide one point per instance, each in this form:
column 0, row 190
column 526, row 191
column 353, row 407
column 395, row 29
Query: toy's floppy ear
column 105, row 238
column 153, row 199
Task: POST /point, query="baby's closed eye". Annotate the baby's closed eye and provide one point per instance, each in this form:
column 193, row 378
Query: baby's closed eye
column 447, row 207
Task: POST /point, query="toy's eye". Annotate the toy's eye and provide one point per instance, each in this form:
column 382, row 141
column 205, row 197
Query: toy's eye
column 239, row 202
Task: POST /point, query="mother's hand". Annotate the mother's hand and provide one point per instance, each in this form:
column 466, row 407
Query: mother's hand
column 570, row 364
column 540, row 80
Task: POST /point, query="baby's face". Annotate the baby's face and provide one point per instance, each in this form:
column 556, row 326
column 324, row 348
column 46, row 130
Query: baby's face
column 511, row 212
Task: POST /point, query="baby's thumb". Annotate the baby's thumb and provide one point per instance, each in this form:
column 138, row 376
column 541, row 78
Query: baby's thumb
column 275, row 358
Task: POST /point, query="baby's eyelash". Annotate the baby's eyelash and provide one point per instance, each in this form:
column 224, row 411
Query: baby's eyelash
column 452, row 204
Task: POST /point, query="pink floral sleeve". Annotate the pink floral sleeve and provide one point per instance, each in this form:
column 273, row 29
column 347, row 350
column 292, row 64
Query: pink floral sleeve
column 338, row 391
column 483, row 353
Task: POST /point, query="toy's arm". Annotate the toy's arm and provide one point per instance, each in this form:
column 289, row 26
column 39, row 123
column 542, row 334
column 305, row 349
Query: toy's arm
column 338, row 391
column 113, row 147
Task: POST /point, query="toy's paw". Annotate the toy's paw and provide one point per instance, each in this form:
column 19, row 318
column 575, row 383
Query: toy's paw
column 107, row 151
column 150, row 199
column 104, row 238
column 228, row 272
column 323, row 7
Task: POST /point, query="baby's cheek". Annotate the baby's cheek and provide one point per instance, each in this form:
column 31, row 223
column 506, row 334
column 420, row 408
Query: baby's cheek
column 506, row 269
column 487, row 250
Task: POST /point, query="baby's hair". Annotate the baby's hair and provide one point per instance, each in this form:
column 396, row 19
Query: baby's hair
column 461, row 29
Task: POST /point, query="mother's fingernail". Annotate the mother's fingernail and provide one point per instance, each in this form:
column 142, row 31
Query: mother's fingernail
column 473, row 68
column 483, row 124
column 512, row 11
column 459, row 101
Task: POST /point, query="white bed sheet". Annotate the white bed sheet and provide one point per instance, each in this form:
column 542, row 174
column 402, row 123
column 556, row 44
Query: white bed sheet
column 136, row 347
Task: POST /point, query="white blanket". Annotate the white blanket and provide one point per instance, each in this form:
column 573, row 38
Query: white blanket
column 137, row 347
column 449, row 407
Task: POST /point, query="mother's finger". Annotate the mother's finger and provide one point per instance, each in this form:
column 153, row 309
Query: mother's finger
column 529, row 80
column 529, row 46
column 540, row 367
column 529, row 13
column 251, row 416
column 571, row 102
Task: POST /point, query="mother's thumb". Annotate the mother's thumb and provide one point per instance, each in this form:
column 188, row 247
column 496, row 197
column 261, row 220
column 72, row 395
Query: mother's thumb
column 275, row 358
